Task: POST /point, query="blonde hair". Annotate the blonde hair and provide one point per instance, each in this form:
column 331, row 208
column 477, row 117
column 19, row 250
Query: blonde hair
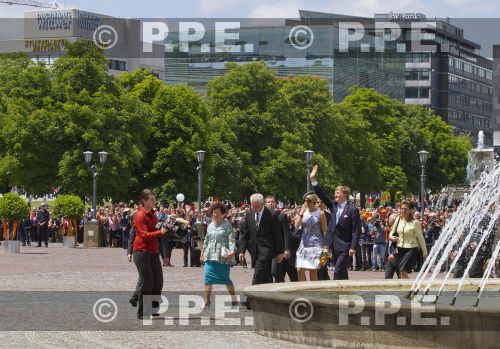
column 345, row 190
column 313, row 197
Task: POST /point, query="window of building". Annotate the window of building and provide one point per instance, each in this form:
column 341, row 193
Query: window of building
column 117, row 65
column 417, row 92
column 417, row 74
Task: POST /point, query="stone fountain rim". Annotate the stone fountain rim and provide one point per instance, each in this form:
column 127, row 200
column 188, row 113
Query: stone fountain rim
column 285, row 292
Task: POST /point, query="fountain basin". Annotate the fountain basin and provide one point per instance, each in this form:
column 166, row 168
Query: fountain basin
column 365, row 314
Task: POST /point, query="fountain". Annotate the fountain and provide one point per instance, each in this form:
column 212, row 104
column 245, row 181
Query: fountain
column 460, row 313
column 480, row 160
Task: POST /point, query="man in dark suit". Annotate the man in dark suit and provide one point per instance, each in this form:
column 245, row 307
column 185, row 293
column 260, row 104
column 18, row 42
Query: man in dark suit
column 280, row 221
column 344, row 228
column 43, row 217
column 262, row 239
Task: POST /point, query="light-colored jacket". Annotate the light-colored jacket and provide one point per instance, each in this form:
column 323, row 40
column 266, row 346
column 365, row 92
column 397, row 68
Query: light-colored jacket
column 219, row 237
column 410, row 234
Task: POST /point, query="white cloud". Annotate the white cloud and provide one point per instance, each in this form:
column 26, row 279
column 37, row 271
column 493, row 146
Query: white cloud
column 277, row 9
column 12, row 11
column 216, row 8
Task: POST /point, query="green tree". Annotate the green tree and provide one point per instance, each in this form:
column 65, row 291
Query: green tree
column 447, row 159
column 83, row 68
column 141, row 83
column 179, row 121
column 393, row 180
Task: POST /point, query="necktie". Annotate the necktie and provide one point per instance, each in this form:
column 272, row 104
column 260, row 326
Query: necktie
column 339, row 212
column 257, row 219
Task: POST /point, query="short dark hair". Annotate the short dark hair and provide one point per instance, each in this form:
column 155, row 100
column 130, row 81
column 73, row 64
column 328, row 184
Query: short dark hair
column 146, row 193
column 218, row 206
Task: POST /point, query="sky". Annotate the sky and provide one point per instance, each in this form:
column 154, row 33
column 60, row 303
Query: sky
column 475, row 27
column 273, row 8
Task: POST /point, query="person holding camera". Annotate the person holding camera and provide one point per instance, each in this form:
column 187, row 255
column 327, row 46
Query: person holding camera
column 378, row 233
column 408, row 238
column 145, row 253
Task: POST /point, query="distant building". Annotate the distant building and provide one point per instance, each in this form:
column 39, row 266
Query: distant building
column 43, row 35
column 449, row 77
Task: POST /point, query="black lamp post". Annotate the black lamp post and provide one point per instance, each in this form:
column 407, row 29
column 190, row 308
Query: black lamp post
column 423, row 159
column 309, row 156
column 200, row 157
column 95, row 172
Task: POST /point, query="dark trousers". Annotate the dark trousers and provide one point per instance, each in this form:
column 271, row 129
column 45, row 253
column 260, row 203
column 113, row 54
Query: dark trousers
column 135, row 295
column 390, row 269
column 323, row 273
column 341, row 260
column 287, row 266
column 366, row 250
column 150, row 271
column 262, row 272
column 26, row 236
column 43, row 235
column 186, row 247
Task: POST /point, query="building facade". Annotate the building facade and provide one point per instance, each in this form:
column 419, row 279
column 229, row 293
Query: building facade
column 43, row 36
column 444, row 73
column 315, row 54
column 433, row 65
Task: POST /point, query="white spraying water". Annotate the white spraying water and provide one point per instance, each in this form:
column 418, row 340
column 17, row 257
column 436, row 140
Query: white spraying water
column 479, row 211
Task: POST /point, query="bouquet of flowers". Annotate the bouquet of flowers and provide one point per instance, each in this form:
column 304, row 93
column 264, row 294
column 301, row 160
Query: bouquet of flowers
column 324, row 258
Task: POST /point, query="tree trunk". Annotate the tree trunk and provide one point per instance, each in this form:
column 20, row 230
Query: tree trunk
column 362, row 199
column 392, row 198
column 5, row 229
column 14, row 230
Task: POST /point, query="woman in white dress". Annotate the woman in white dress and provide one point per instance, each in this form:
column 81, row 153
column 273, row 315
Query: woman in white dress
column 313, row 223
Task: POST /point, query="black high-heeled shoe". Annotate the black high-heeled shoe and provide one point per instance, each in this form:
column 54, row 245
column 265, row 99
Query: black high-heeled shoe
column 206, row 306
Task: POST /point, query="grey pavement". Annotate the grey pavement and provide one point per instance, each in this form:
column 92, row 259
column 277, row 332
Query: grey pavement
column 106, row 270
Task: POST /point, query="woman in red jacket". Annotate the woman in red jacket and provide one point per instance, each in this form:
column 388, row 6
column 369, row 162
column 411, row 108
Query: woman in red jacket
column 146, row 256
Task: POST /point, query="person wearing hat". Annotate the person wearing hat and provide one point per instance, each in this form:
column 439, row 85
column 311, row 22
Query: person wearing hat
column 313, row 223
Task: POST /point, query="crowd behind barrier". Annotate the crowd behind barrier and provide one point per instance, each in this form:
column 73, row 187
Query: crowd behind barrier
column 186, row 230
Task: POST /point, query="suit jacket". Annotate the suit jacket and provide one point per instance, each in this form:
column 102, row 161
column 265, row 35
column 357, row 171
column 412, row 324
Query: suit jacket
column 344, row 234
column 281, row 222
column 265, row 241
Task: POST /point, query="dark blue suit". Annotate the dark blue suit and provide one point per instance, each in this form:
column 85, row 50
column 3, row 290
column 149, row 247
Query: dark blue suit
column 343, row 235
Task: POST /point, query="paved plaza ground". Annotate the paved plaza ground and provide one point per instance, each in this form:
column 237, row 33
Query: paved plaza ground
column 106, row 270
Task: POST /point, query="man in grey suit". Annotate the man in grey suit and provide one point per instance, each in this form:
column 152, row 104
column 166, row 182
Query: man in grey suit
column 344, row 229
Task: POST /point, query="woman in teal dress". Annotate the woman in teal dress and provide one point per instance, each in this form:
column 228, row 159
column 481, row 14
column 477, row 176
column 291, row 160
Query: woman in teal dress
column 218, row 253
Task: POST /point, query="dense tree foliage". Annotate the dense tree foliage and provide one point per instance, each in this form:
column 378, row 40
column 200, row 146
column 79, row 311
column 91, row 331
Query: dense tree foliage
column 254, row 126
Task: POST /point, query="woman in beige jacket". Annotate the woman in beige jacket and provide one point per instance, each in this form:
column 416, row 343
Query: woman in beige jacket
column 407, row 233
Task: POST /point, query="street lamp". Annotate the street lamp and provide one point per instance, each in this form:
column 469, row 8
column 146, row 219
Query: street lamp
column 95, row 172
column 309, row 156
column 180, row 199
column 200, row 156
column 423, row 159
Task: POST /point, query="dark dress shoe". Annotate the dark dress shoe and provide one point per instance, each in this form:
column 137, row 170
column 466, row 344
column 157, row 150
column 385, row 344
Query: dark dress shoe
column 133, row 302
column 246, row 304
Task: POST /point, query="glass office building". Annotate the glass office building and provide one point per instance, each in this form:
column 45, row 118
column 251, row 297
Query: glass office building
column 451, row 78
column 324, row 57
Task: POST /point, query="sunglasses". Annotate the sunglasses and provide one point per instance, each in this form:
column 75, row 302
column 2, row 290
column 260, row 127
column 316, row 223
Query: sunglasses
column 308, row 201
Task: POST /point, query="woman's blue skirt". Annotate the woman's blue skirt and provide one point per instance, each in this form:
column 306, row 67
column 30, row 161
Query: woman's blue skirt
column 217, row 273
